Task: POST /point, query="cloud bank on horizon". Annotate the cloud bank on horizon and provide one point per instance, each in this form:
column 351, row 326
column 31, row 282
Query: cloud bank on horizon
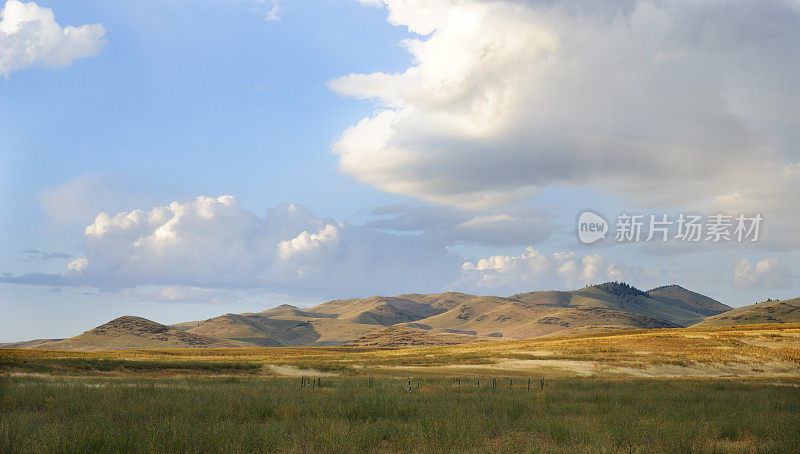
column 30, row 36
column 663, row 103
column 216, row 243
column 208, row 245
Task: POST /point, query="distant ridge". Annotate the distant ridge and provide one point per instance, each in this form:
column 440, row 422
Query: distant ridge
column 785, row 311
column 672, row 303
column 413, row 319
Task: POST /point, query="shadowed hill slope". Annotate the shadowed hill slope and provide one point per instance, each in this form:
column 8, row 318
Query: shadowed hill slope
column 678, row 296
column 673, row 303
column 786, row 311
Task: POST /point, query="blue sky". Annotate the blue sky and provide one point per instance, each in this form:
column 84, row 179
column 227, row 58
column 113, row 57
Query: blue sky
column 183, row 99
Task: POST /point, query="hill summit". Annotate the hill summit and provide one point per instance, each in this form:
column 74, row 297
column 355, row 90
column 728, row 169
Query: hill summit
column 414, row 319
column 129, row 332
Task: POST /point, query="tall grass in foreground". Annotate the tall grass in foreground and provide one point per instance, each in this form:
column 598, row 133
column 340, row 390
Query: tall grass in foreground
column 96, row 414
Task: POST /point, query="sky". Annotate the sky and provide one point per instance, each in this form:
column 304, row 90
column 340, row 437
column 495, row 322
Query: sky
column 179, row 160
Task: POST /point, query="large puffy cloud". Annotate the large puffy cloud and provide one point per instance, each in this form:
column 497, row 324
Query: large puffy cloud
column 535, row 270
column 667, row 103
column 216, row 243
column 767, row 274
column 30, row 36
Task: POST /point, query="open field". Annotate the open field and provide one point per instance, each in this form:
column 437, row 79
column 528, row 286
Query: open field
column 735, row 351
column 725, row 389
column 249, row 414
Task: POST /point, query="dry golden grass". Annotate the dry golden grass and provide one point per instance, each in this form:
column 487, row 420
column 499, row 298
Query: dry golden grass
column 746, row 350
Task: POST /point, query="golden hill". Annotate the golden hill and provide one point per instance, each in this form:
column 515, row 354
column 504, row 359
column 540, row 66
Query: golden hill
column 672, row 303
column 283, row 325
column 134, row 332
column 762, row 350
column 787, row 311
column 601, row 308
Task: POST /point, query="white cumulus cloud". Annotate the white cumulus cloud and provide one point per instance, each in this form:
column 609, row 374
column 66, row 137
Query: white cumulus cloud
column 535, row 270
column 30, row 36
column 214, row 242
column 666, row 103
column 767, row 273
column 306, row 243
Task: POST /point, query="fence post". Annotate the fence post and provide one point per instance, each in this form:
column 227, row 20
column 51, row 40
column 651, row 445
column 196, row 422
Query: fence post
column 529, row 383
column 510, row 382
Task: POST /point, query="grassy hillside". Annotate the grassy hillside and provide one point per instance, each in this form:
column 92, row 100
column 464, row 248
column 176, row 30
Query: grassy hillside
column 787, row 311
column 134, row 332
column 672, row 303
column 607, row 307
column 284, row 325
column 27, row 344
column 530, row 315
column 239, row 328
column 678, row 296
column 732, row 351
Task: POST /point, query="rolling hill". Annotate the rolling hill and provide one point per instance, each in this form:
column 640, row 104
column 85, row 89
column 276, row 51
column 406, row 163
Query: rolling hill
column 513, row 319
column 687, row 299
column 134, row 332
column 283, row 325
column 671, row 303
column 786, row 311
column 431, row 319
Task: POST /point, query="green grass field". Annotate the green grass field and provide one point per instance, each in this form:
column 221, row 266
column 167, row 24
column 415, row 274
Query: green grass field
column 91, row 413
